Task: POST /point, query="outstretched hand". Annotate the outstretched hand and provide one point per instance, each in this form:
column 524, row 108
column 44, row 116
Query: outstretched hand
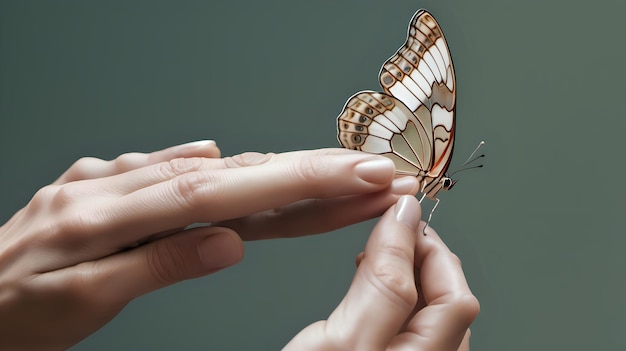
column 108, row 231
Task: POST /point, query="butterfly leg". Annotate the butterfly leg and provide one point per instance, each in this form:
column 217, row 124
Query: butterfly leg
column 430, row 215
column 422, row 198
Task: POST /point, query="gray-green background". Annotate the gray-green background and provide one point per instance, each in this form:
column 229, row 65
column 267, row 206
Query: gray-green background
column 540, row 229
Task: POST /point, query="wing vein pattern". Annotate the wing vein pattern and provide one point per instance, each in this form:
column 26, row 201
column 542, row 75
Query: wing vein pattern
column 412, row 120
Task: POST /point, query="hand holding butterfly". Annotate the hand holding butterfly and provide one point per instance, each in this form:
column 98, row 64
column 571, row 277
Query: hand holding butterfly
column 409, row 293
column 108, row 231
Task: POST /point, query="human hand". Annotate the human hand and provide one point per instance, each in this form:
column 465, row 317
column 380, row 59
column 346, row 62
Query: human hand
column 108, row 231
column 409, row 293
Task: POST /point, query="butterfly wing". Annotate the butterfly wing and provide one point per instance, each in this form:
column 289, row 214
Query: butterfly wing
column 381, row 124
column 421, row 75
column 412, row 123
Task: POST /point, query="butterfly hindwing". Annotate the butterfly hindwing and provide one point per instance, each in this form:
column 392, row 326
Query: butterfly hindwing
column 381, row 124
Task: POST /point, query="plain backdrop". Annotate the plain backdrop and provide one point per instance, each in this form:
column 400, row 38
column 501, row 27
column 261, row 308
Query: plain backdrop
column 540, row 228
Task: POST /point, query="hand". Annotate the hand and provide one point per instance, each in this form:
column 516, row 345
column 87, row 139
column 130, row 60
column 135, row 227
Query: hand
column 409, row 293
column 108, row 231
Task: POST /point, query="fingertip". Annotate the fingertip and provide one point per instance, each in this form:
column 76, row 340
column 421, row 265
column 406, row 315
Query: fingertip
column 200, row 148
column 200, row 144
column 408, row 212
column 221, row 248
column 406, row 185
column 205, row 148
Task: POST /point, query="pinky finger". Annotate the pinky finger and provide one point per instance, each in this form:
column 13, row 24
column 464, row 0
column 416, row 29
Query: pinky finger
column 115, row 280
column 189, row 254
column 92, row 168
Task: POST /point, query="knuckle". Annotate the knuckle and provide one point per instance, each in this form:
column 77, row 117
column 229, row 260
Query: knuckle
column 392, row 249
column 84, row 292
column 166, row 263
column 66, row 224
column 127, row 161
column 83, row 168
column 454, row 258
column 71, row 229
column 310, row 171
column 65, row 194
column 248, row 159
column 55, row 197
column 43, row 197
column 188, row 188
column 393, row 283
column 465, row 305
column 179, row 166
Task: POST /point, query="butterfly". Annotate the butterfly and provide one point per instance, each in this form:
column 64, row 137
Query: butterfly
column 413, row 121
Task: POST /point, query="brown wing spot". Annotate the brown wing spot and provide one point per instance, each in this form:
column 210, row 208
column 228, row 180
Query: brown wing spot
column 346, row 126
column 407, row 69
column 387, row 79
column 359, row 128
column 362, row 119
column 369, row 111
column 356, row 138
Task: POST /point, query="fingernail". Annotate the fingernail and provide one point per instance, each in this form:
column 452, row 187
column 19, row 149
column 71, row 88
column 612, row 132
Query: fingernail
column 379, row 170
column 408, row 211
column 405, row 185
column 220, row 250
column 200, row 143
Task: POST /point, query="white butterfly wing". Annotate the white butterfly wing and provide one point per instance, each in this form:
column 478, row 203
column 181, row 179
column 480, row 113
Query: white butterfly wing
column 421, row 75
column 412, row 123
column 381, row 124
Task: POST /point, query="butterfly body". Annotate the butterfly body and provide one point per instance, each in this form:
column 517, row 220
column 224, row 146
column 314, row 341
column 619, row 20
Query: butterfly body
column 412, row 121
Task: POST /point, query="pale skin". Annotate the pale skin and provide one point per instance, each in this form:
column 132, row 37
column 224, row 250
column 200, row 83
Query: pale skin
column 107, row 232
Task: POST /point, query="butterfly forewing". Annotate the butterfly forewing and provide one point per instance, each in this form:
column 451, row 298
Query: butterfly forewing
column 412, row 122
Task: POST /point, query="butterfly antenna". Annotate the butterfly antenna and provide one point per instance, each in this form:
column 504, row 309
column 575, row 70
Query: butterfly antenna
column 474, row 159
column 471, row 159
column 466, row 168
